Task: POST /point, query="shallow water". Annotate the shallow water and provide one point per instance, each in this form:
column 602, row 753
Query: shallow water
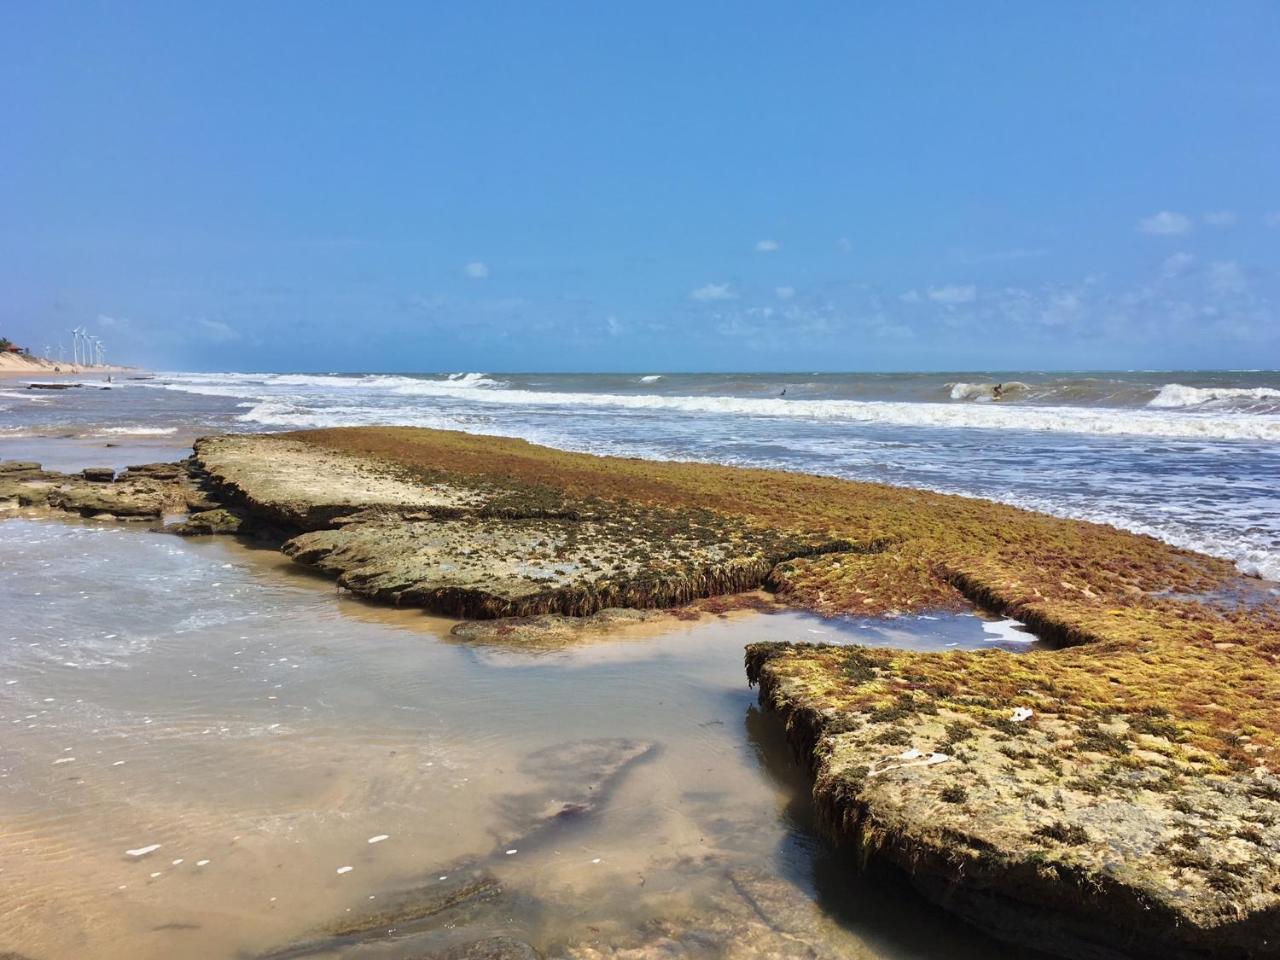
column 261, row 728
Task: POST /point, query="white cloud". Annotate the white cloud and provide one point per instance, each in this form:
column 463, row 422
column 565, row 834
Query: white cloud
column 1061, row 308
column 1220, row 218
column 953, row 293
column 911, row 296
column 217, row 331
column 1272, row 219
column 844, row 245
column 614, row 325
column 767, row 246
column 476, row 270
column 1166, row 223
column 784, row 293
column 1177, row 264
column 1225, row 276
column 712, row 292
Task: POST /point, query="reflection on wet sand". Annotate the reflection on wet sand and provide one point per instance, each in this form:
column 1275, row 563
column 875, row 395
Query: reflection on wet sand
column 208, row 754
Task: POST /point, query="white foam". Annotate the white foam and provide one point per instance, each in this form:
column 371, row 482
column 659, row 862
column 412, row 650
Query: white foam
column 142, row 851
column 990, row 416
column 984, row 391
column 140, row 431
column 308, row 400
column 1009, row 631
column 1175, row 395
column 651, row 378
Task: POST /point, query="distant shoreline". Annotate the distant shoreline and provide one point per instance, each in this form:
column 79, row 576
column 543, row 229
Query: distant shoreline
column 15, row 366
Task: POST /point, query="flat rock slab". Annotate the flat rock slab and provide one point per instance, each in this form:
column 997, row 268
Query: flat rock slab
column 421, row 908
column 485, row 568
column 1099, row 834
column 572, row 780
column 137, row 499
column 205, row 523
column 306, row 487
column 18, row 466
column 490, row 948
column 90, row 493
column 552, row 631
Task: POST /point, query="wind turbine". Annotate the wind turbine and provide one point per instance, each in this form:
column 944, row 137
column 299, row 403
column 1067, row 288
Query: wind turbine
column 75, row 346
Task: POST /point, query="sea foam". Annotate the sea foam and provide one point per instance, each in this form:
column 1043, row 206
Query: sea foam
column 1181, row 424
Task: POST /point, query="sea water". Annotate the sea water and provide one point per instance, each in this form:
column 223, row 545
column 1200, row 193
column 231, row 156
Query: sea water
column 209, row 753
column 1192, row 458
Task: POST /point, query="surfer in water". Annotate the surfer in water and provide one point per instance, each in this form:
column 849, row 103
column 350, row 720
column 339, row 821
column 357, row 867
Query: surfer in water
column 783, row 393
column 997, row 392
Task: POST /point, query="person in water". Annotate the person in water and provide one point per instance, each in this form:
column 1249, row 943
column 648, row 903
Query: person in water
column 997, row 391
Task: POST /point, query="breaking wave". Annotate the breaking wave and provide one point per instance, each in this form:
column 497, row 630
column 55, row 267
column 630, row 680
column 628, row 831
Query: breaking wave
column 139, row 431
column 1245, row 399
column 986, row 391
column 988, row 416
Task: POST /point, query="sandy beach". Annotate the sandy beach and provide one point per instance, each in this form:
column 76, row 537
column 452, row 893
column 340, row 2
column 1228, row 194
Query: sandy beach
column 16, row 366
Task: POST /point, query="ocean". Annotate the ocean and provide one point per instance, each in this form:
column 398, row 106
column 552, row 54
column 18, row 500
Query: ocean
column 1192, row 458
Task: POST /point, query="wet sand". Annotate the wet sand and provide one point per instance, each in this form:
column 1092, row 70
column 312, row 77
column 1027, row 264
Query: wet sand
column 210, row 699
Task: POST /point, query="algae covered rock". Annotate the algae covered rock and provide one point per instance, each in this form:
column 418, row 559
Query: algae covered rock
column 10, row 467
column 138, row 499
column 205, row 523
column 1090, row 832
column 510, row 568
column 552, row 630
column 433, row 905
column 490, row 948
column 305, row 488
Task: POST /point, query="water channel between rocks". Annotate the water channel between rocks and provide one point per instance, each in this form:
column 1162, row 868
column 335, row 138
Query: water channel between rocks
column 267, row 733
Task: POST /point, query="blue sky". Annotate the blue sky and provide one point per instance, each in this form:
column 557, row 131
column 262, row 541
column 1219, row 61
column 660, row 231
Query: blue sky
column 657, row 186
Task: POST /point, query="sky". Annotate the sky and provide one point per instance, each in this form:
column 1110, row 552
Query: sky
column 644, row 186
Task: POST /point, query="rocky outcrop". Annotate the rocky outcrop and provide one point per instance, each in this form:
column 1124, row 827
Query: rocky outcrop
column 298, row 487
column 1092, row 829
column 207, row 523
column 483, row 568
column 487, row 547
column 95, row 492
